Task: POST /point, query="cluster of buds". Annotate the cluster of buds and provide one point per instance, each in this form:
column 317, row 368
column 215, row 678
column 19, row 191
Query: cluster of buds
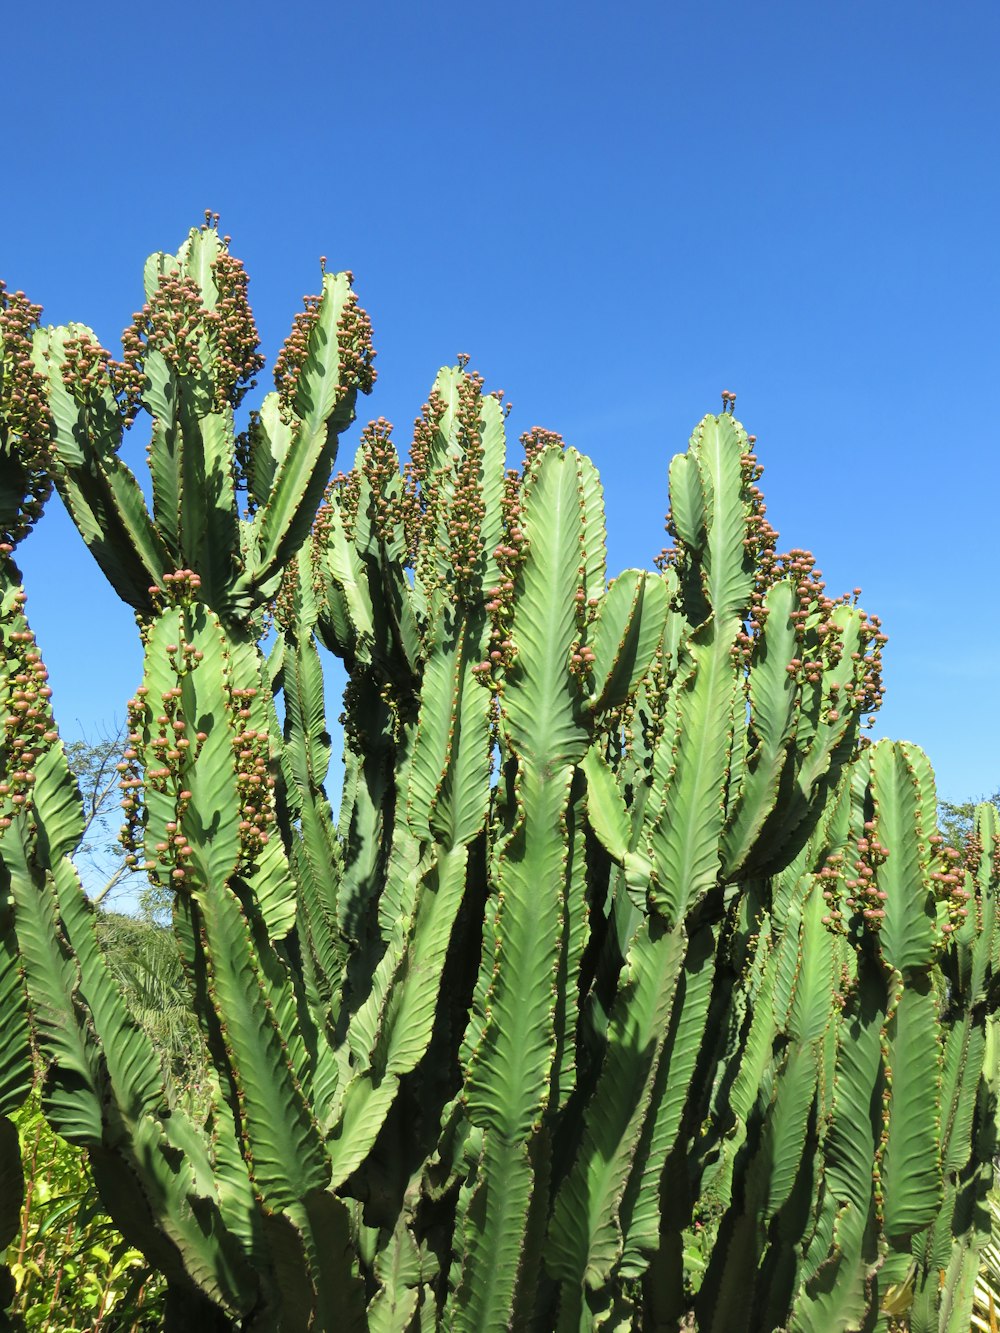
column 167, row 754
column 87, row 370
column 245, row 445
column 131, row 784
column 862, row 893
column 415, row 474
column 254, row 779
column 463, row 523
column 650, row 705
column 181, row 588
column 728, row 401
column 167, row 745
column 283, row 608
column 975, row 869
column 820, row 639
column 175, row 323
column 810, row 590
column 354, row 346
column 162, row 742
column 853, row 894
column 344, row 491
column 948, row 881
column 238, row 359
column 28, row 728
column 222, row 341
column 169, row 751
column 509, row 556
column 380, row 465
column 25, row 433
column 759, row 545
column 869, row 689
column 294, row 352
column 534, row 442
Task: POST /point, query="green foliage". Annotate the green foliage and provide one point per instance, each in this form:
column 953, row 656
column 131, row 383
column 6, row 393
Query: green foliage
column 630, row 987
column 72, row 1268
column 956, row 819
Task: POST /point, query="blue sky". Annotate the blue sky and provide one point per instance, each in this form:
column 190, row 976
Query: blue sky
column 618, row 211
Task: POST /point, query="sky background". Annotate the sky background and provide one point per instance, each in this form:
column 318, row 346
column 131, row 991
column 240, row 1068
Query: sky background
column 618, row 210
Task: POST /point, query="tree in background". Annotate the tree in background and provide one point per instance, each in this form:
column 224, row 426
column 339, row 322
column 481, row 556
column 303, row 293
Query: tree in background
column 100, row 858
column 956, row 820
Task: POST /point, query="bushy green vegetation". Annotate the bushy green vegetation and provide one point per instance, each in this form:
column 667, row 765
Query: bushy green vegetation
column 71, row 1267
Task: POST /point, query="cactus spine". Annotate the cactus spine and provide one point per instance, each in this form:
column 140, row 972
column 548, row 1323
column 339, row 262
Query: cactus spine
column 630, row 985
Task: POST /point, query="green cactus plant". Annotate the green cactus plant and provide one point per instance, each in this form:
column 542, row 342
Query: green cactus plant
column 25, row 484
column 630, row 986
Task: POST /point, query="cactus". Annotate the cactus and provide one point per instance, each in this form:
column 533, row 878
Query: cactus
column 25, row 484
column 627, row 957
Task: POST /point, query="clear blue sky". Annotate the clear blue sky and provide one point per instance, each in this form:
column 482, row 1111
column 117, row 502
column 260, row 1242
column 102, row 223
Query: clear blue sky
column 619, row 210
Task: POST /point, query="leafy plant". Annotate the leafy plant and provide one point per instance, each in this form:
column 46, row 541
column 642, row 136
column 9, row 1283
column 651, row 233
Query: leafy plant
column 72, row 1268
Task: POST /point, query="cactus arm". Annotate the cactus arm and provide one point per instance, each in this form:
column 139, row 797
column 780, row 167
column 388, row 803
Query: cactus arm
column 335, row 363
column 489, row 1238
column 209, row 523
column 684, row 840
column 832, row 1287
column 101, row 494
column 606, row 809
column 911, row 1170
column 718, row 444
column 391, row 1032
column 576, row 912
column 448, row 798
column 629, row 626
column 584, row 1240
column 908, row 937
column 269, row 437
column 286, row 1157
column 541, row 701
column 367, row 811
column 315, row 854
column 594, row 537
column 507, row 1082
column 190, row 394
column 410, row 1025
column 222, row 1266
column 202, row 688
column 772, row 704
column 288, row 1161
column 348, row 572
column 907, row 943
column 207, row 767
column 513, row 1040
column 643, row 1204
column 494, row 445
column 402, row 1271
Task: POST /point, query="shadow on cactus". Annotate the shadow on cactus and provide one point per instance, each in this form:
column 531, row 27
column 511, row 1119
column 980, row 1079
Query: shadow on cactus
column 631, row 985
